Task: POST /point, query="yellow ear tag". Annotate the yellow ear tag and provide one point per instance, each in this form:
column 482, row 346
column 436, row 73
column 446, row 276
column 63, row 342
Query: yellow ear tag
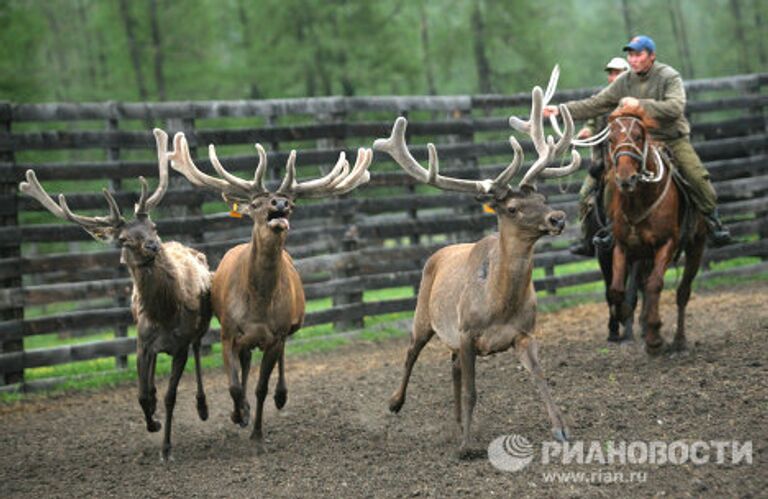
column 487, row 209
column 234, row 213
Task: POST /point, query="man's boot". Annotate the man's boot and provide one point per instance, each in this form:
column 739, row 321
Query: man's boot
column 719, row 235
column 603, row 239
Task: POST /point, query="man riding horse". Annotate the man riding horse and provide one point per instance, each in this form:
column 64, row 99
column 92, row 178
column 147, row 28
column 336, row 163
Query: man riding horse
column 659, row 90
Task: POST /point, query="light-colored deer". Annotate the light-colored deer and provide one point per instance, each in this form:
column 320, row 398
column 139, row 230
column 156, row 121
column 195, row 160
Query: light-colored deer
column 479, row 298
column 257, row 293
column 171, row 288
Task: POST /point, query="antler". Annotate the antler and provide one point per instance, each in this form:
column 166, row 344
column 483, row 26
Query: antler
column 547, row 149
column 94, row 225
column 588, row 142
column 395, row 146
column 338, row 181
column 145, row 205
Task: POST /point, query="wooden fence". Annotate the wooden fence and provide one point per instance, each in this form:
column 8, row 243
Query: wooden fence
column 55, row 281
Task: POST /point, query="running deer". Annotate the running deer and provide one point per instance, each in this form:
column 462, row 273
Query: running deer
column 171, row 288
column 479, row 298
column 257, row 293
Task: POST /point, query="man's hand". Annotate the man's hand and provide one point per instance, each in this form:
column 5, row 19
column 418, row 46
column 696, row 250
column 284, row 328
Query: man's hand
column 584, row 133
column 550, row 111
column 629, row 101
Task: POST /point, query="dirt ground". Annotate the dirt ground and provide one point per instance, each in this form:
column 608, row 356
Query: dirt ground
column 336, row 438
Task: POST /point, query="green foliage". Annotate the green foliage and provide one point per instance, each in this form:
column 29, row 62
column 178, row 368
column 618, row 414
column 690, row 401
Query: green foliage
column 79, row 50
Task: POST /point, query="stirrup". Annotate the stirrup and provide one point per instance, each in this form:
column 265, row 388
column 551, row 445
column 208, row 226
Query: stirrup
column 603, row 239
column 582, row 248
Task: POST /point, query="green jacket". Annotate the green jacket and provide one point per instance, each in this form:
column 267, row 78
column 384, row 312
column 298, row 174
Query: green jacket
column 660, row 91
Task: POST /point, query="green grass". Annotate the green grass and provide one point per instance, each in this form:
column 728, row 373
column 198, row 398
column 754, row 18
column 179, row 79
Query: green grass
column 103, row 373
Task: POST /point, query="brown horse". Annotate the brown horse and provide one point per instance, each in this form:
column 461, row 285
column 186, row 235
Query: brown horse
column 649, row 224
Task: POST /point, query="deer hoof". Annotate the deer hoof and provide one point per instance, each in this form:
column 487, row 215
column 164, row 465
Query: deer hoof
column 467, row 453
column 202, row 408
column 153, row 426
column 396, row 403
column 562, row 434
column 654, row 349
column 238, row 418
column 281, row 397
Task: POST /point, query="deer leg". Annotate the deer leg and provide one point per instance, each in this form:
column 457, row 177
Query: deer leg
column 145, row 361
column 653, row 287
column 202, row 404
column 693, row 256
column 467, row 356
column 281, row 391
column 419, row 339
column 177, row 369
column 268, row 361
column 245, row 371
column 230, row 356
column 456, row 374
column 527, row 350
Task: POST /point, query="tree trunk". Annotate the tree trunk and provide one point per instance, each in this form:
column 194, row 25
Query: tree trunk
column 681, row 39
column 253, row 86
column 429, row 71
column 482, row 64
column 89, row 45
column 760, row 42
column 738, row 29
column 130, row 31
column 625, row 13
column 157, row 50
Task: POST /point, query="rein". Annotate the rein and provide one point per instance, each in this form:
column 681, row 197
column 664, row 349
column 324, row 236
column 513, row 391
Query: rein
column 630, row 148
column 645, row 214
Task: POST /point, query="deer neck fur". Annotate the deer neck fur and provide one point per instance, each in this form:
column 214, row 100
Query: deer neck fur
column 511, row 270
column 265, row 260
column 157, row 287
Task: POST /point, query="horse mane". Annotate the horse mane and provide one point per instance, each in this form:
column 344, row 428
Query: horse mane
column 636, row 112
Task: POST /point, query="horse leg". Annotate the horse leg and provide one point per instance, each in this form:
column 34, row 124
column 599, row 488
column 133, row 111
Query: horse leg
column 202, row 404
column 693, row 254
column 630, row 299
column 653, row 287
column 618, row 278
column 604, row 259
column 177, row 369
column 527, row 350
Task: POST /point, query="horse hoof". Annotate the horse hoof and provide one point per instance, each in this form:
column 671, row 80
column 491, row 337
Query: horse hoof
column 202, row 408
column 281, row 397
column 154, row 426
column 238, row 419
column 614, row 338
column 166, row 456
column 654, row 350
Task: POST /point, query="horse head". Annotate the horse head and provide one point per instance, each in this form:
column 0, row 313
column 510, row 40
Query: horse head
column 629, row 147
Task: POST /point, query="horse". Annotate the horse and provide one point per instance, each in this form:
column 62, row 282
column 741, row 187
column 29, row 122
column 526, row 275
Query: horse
column 652, row 224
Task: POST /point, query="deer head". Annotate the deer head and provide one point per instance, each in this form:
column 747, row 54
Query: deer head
column 138, row 238
column 270, row 210
column 522, row 209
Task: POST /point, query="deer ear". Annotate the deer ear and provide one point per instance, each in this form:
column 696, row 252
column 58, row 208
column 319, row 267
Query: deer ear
column 237, row 206
column 527, row 189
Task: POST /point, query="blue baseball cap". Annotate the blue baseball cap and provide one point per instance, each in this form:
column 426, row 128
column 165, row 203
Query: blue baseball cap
column 640, row 43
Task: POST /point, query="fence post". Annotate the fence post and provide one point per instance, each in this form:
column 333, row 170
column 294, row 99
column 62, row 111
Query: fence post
column 115, row 184
column 13, row 340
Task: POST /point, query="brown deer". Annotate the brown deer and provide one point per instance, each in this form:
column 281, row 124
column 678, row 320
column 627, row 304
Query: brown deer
column 171, row 288
column 479, row 298
column 257, row 293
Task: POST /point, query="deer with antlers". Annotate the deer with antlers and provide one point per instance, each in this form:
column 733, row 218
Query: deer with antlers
column 479, row 298
column 171, row 288
column 257, row 293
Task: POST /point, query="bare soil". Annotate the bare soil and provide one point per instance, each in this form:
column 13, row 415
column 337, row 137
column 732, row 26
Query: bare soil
column 336, row 438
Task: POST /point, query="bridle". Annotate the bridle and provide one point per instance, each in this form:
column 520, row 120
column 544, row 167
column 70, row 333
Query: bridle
column 629, row 147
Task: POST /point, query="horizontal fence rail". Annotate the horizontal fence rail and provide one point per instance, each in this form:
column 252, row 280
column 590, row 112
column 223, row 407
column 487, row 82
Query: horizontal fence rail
column 359, row 255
